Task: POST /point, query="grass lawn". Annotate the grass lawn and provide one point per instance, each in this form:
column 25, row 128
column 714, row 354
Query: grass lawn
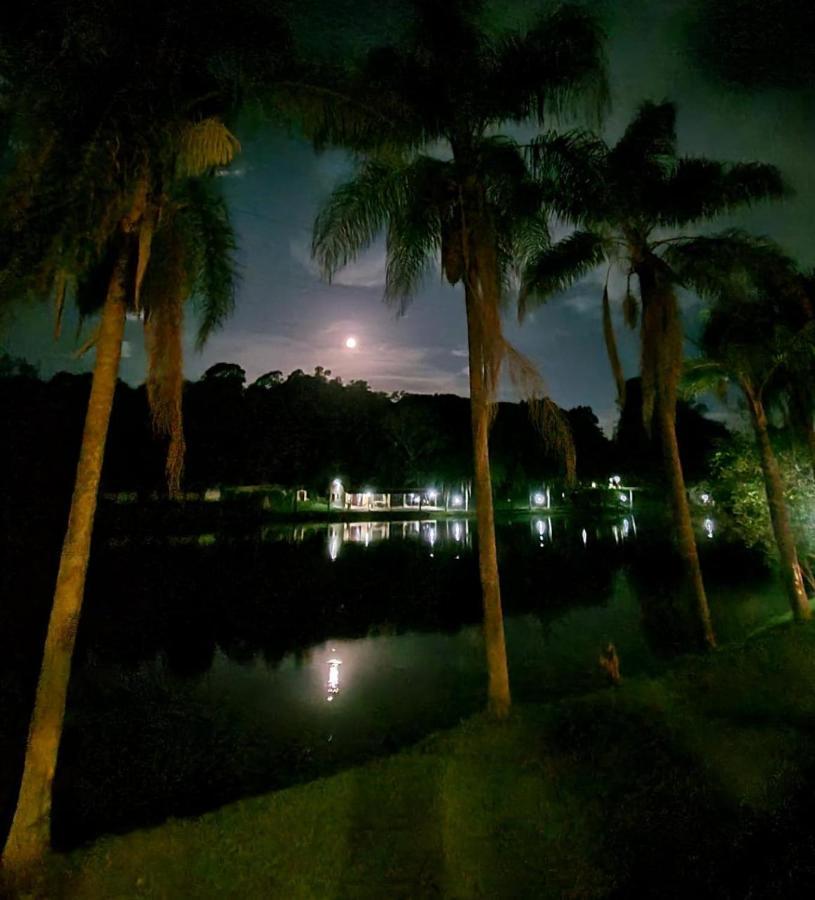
column 698, row 784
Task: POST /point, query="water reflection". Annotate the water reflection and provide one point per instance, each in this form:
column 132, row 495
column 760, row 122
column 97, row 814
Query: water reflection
column 333, row 684
column 457, row 534
column 447, row 533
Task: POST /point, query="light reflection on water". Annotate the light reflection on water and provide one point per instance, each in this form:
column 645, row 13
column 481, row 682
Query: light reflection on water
column 448, row 533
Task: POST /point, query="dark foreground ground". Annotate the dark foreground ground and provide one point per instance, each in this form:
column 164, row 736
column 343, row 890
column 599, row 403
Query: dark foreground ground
column 699, row 784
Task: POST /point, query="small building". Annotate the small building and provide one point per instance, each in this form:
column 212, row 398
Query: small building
column 400, row 499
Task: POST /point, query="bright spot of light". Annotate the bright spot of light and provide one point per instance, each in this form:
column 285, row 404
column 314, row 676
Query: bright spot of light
column 539, row 498
column 333, row 678
column 710, row 527
column 585, row 537
column 456, row 501
column 351, row 342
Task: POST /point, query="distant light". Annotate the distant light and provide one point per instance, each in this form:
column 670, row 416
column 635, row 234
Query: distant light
column 594, row 484
column 623, row 497
column 457, row 500
column 616, row 479
column 351, row 342
column 585, row 537
column 337, row 483
column 432, row 493
column 539, row 499
column 705, row 498
column 333, row 678
column 710, row 527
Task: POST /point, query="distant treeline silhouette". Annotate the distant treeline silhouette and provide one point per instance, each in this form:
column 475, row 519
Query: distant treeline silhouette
column 304, row 430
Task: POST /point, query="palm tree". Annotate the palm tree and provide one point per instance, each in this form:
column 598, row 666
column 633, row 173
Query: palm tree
column 469, row 203
column 632, row 202
column 115, row 115
column 758, row 337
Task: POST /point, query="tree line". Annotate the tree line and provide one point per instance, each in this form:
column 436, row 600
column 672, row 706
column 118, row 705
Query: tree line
column 304, row 430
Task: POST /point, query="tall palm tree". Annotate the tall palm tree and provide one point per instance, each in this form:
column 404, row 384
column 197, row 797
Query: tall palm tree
column 632, row 202
column 115, row 114
column 756, row 340
column 469, row 203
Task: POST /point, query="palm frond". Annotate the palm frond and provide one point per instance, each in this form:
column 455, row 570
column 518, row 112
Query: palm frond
column 412, row 244
column 337, row 109
column 704, row 188
column 631, row 307
column 547, row 417
column 611, row 349
column 703, row 376
column 648, row 143
column 355, row 213
column 166, row 287
column 557, row 268
column 719, row 264
column 214, row 272
column 556, row 69
column 205, row 145
column 571, row 167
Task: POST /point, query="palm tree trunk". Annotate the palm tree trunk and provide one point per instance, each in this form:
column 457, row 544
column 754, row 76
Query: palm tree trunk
column 498, row 695
column 661, row 367
column 779, row 515
column 683, row 523
column 29, row 838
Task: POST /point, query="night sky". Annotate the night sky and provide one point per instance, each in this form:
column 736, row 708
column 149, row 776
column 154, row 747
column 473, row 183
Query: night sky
column 286, row 318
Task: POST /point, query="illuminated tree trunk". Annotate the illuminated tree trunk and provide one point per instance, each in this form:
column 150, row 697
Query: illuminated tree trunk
column 498, row 695
column 29, row 837
column 661, row 368
column 779, row 515
column 482, row 297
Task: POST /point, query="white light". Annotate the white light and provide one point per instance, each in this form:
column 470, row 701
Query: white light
column 705, row 498
column 623, row 497
column 432, row 494
column 337, row 483
column 334, row 676
column 334, row 546
column 710, row 527
column 539, row 499
column 351, row 342
column 456, row 501
column 594, row 484
column 585, row 537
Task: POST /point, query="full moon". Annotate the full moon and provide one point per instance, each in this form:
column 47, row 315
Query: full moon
column 351, row 343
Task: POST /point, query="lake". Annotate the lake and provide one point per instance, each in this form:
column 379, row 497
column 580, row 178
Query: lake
column 213, row 666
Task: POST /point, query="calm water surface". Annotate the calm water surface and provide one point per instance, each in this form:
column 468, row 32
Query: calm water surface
column 212, row 666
